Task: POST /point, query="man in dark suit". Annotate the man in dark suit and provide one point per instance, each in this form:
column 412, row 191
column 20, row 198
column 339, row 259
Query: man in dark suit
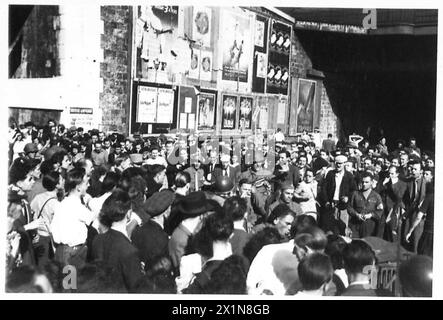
column 209, row 168
column 359, row 261
column 415, row 194
column 286, row 172
column 336, row 190
column 113, row 249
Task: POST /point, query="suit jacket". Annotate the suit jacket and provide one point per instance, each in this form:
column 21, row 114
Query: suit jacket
column 347, row 186
column 206, row 170
column 119, row 256
column 233, row 173
column 151, row 241
column 410, row 200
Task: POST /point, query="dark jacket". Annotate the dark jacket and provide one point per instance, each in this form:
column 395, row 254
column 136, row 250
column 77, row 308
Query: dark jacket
column 151, row 241
column 119, row 256
column 347, row 186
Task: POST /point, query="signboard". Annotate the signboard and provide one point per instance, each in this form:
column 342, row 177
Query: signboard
column 82, row 117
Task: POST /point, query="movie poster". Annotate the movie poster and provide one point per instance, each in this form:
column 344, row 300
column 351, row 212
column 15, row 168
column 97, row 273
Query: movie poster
column 305, row 105
column 278, row 58
column 235, row 31
column 165, row 105
column 245, row 121
column 206, row 111
column 259, row 39
column 201, row 25
column 146, row 104
column 156, row 32
column 229, row 112
column 261, row 65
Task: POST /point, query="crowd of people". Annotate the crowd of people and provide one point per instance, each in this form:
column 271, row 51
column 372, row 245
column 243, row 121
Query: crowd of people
column 175, row 214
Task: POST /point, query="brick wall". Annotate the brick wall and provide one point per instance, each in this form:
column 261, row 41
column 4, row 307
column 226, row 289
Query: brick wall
column 114, row 70
column 329, row 122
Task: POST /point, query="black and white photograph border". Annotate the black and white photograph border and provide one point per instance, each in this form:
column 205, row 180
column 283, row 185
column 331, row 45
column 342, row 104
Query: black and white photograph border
column 78, row 80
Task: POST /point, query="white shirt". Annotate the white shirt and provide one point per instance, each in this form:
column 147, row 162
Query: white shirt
column 262, row 276
column 69, row 223
column 341, row 273
column 95, row 204
column 338, row 179
column 307, row 190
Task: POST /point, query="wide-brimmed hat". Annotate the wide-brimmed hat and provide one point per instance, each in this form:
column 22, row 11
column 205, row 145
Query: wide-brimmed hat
column 193, row 205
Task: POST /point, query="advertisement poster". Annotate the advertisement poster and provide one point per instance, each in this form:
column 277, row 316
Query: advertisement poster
column 201, row 25
column 156, row 31
column 245, row 121
column 235, row 31
column 194, row 64
column 146, row 104
column 280, row 40
column 229, row 111
column 305, row 105
column 206, row 111
column 165, row 105
column 262, row 62
column 278, row 58
column 259, row 33
column 200, row 65
column 206, row 65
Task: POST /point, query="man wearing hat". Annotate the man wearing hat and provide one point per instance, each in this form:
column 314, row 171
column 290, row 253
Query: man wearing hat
column 337, row 188
column 150, row 239
column 261, row 187
column 185, row 221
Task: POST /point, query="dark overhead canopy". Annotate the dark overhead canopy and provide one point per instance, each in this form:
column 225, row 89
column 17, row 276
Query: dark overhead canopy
column 389, row 21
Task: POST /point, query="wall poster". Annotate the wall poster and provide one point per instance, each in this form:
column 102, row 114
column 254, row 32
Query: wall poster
column 235, row 41
column 278, row 58
column 201, row 25
column 229, row 112
column 305, row 105
column 245, row 121
column 206, row 111
column 146, row 104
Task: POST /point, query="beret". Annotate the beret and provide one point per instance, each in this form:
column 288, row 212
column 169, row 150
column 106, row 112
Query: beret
column 159, row 202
